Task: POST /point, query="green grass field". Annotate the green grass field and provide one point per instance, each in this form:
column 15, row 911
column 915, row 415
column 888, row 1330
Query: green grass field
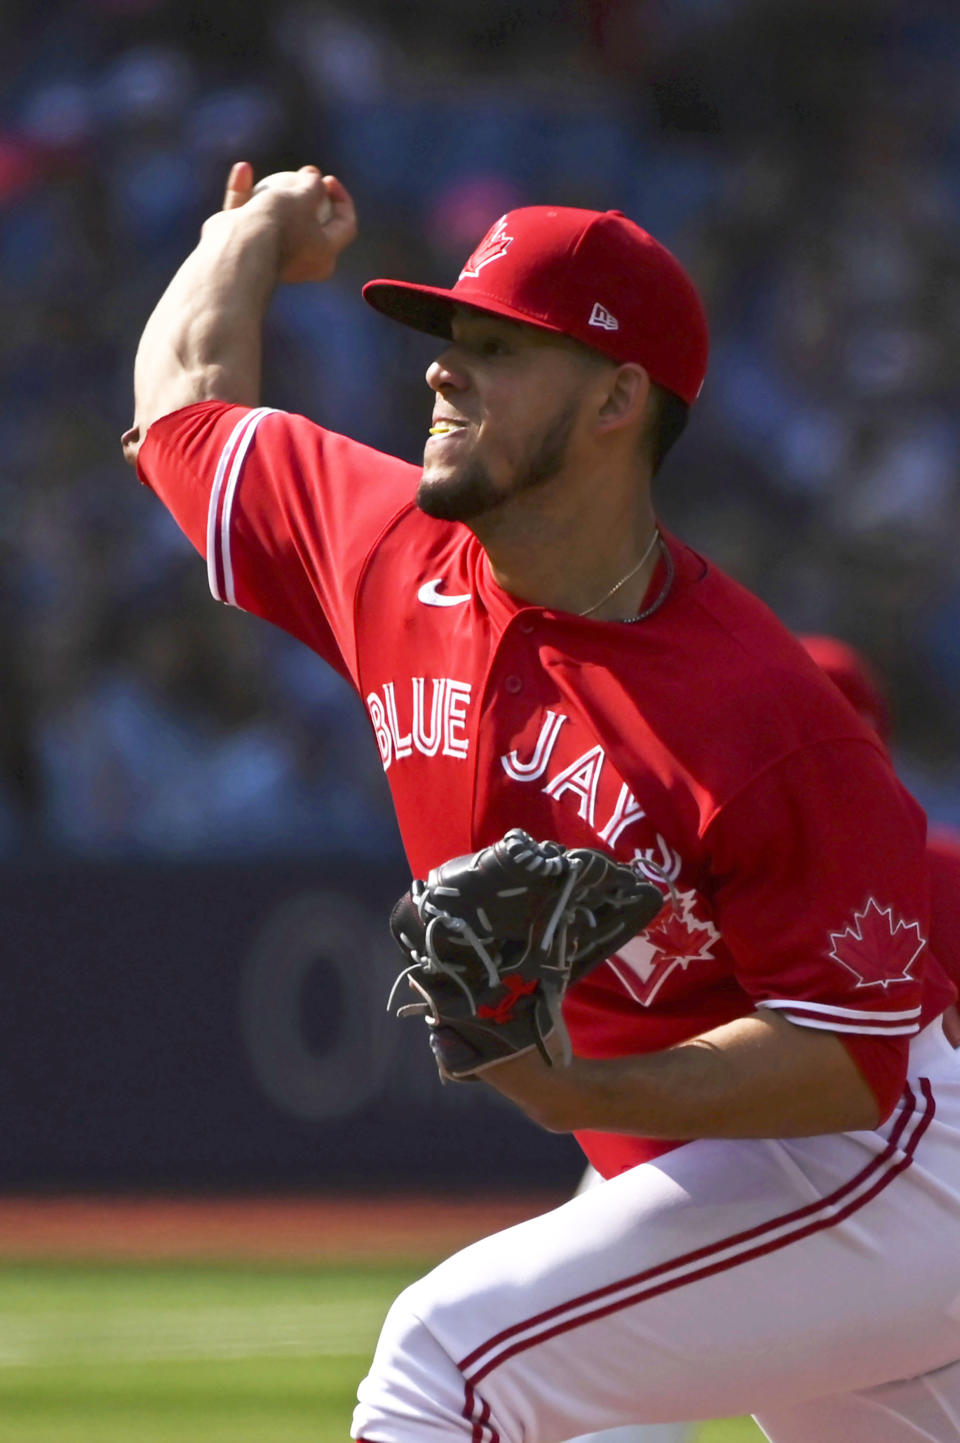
column 194, row 1353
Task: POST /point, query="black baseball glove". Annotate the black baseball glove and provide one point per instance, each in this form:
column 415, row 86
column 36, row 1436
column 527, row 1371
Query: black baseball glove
column 494, row 939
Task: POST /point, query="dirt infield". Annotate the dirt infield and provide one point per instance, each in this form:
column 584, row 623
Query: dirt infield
column 316, row 1229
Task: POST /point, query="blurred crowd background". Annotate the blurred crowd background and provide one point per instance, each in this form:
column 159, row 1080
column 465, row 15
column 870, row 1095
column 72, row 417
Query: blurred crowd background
column 804, row 162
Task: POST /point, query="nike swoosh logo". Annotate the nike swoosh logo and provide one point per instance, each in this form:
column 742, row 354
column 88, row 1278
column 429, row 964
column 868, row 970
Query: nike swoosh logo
column 430, row 596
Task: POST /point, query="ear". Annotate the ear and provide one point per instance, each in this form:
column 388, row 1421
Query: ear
column 623, row 400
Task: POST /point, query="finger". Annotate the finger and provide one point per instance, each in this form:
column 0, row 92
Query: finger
column 336, row 190
column 239, row 185
column 318, row 187
column 342, row 224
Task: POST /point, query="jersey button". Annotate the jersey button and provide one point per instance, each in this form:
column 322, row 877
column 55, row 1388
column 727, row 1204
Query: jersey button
column 526, row 627
column 513, row 684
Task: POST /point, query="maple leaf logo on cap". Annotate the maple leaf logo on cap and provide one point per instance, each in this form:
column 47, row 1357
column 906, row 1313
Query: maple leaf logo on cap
column 877, row 950
column 495, row 244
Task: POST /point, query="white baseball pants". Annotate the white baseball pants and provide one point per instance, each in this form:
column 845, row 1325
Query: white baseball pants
column 632, row 1432
column 813, row 1282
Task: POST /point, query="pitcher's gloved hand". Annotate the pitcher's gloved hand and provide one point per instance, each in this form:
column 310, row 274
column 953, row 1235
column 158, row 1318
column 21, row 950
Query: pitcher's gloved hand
column 494, row 939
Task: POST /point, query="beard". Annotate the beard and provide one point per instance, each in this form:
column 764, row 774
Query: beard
column 471, row 491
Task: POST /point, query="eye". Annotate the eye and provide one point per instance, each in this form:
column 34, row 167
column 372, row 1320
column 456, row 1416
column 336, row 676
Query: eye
column 493, row 346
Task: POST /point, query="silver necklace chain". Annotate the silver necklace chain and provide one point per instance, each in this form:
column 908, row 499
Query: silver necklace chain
column 629, row 577
column 664, row 591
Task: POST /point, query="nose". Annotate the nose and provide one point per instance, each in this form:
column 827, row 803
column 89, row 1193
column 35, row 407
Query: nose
column 445, row 374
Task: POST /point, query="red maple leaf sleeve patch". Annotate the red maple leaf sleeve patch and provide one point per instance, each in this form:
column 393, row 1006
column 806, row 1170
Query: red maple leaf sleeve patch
column 878, row 950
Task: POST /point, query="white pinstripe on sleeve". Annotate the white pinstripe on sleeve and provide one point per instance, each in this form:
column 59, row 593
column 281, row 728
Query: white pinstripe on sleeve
column 223, row 490
column 826, row 1018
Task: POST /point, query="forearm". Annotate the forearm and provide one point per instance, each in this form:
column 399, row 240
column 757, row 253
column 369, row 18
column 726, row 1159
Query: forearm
column 204, row 339
column 760, row 1076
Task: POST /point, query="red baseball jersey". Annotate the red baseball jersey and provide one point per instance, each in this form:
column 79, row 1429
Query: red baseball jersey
column 701, row 743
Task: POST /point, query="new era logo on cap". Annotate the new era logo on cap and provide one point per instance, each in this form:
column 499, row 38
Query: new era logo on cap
column 601, row 317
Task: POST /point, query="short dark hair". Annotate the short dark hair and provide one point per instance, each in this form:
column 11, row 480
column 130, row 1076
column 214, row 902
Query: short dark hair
column 669, row 416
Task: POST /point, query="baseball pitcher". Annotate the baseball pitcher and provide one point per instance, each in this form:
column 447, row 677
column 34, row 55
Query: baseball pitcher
column 668, row 894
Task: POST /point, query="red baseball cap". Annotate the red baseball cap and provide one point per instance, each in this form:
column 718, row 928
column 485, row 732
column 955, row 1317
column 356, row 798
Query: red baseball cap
column 852, row 674
column 593, row 275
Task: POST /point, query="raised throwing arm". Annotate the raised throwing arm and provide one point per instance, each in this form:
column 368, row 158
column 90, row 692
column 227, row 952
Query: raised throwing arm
column 204, row 339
